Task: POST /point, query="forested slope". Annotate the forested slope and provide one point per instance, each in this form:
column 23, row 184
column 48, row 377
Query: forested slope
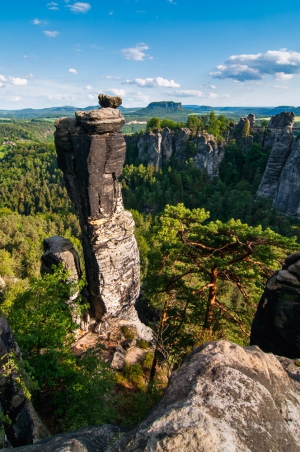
column 206, row 252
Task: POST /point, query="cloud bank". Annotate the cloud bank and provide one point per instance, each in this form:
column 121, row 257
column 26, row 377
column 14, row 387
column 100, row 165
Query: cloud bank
column 281, row 64
column 152, row 82
column 17, row 81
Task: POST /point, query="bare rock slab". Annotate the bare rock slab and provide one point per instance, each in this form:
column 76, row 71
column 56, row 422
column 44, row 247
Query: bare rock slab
column 223, row 398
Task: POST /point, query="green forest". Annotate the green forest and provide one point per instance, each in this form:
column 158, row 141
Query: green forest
column 206, row 247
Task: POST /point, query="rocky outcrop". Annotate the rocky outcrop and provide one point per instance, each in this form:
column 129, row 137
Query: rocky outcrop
column 91, row 152
column 287, row 197
column 279, row 134
column 223, row 398
column 275, row 327
column 59, row 250
column 24, row 426
column 87, row 439
column 241, row 132
column 157, row 148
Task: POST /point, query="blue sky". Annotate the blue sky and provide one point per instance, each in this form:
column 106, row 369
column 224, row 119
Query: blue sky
column 217, row 53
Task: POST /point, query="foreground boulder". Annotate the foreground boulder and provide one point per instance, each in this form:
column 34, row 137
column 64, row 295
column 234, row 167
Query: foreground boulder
column 275, row 327
column 223, row 398
column 87, row 439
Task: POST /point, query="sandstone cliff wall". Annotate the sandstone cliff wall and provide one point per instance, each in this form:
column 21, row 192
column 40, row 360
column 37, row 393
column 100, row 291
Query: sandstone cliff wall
column 157, row 148
column 280, row 181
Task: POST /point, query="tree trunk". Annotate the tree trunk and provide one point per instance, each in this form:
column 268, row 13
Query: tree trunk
column 209, row 314
column 158, row 346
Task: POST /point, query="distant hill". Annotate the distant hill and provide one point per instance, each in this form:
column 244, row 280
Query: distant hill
column 163, row 109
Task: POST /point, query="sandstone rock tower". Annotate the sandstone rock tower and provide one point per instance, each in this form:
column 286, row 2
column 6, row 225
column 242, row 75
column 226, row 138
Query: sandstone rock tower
column 91, row 151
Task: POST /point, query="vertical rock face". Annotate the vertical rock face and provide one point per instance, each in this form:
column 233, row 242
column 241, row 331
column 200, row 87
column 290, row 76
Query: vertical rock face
column 275, row 327
column 91, row 152
column 157, row 148
column 287, row 198
column 280, row 134
column 25, row 425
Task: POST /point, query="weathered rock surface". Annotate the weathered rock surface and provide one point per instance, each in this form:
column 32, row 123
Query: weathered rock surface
column 287, row 198
column 87, row 439
column 223, row 398
column 275, row 327
column 91, row 152
column 109, row 101
column 157, row 148
column 280, row 136
column 59, row 250
column 241, row 131
column 25, row 426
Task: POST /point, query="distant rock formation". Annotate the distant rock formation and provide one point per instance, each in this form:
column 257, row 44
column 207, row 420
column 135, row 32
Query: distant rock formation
column 157, row 148
column 279, row 134
column 91, row 152
column 275, row 327
column 165, row 104
column 287, row 198
column 25, row 425
column 59, row 250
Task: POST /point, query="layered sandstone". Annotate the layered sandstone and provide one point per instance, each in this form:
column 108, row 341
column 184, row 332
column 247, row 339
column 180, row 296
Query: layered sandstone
column 157, row 148
column 91, row 152
column 279, row 134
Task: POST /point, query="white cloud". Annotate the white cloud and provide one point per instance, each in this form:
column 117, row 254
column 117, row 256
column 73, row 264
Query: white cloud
column 53, row 6
column 152, row 82
column 281, row 64
column 90, row 96
column 212, row 86
column 1, row 85
column 79, row 7
column 283, row 76
column 117, row 92
column 88, row 87
column 193, row 93
column 189, row 93
column 73, row 71
column 15, row 99
column 136, row 53
column 18, row 81
column 111, row 77
column 51, row 34
column 39, row 22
